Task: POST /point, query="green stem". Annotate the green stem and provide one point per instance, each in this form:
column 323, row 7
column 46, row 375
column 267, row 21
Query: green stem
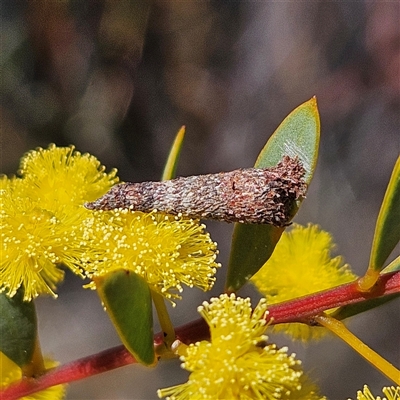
column 36, row 366
column 353, row 341
column 165, row 321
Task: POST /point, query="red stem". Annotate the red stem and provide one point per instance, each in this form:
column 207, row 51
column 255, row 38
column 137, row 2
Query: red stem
column 291, row 311
column 303, row 308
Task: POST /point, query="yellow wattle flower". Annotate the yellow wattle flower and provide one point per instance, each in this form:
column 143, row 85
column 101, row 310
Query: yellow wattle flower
column 11, row 372
column 301, row 264
column 391, row 393
column 31, row 246
column 39, row 214
column 60, row 178
column 237, row 362
column 166, row 251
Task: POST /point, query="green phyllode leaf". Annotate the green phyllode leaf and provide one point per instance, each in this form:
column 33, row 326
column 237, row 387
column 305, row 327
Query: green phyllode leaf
column 393, row 266
column 297, row 135
column 387, row 230
column 252, row 245
column 18, row 328
column 127, row 299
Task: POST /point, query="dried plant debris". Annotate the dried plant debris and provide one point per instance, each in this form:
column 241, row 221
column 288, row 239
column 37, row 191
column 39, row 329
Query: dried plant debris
column 251, row 195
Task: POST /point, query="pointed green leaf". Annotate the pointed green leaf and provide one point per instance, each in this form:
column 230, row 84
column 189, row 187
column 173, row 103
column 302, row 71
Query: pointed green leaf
column 252, row 245
column 393, row 266
column 127, row 299
column 18, row 328
column 387, row 230
column 173, row 157
column 298, row 135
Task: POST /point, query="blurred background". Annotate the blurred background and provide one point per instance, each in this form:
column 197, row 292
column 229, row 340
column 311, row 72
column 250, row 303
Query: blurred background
column 118, row 78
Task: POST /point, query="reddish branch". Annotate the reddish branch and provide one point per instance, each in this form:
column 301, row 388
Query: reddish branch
column 297, row 310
